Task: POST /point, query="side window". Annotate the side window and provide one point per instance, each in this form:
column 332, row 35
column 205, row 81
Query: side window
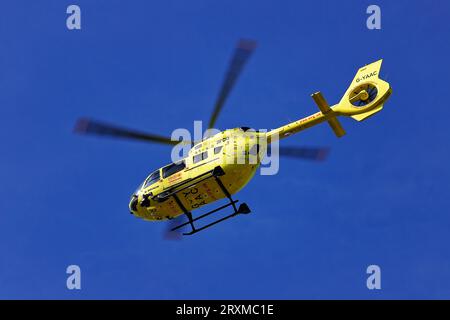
column 173, row 168
column 217, row 149
column 199, row 157
column 154, row 177
column 254, row 150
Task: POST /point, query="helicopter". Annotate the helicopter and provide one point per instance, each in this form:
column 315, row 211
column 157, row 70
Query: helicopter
column 219, row 165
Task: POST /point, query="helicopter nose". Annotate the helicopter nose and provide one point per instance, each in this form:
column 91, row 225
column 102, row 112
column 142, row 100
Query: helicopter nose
column 133, row 204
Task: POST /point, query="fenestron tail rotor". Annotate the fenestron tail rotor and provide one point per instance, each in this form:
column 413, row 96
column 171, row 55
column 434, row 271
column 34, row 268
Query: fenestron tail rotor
column 363, row 95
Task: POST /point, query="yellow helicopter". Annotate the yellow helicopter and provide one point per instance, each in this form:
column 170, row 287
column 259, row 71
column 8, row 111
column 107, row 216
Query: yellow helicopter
column 220, row 165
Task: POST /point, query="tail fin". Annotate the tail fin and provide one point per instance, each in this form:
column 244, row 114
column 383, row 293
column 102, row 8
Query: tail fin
column 364, row 97
column 366, row 94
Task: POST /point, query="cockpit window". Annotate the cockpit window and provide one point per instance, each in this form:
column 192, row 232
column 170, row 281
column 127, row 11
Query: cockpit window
column 173, row 168
column 138, row 188
column 199, row 157
column 154, row 177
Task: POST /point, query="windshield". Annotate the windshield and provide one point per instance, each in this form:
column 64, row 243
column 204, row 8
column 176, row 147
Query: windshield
column 173, row 168
column 154, row 177
column 138, row 189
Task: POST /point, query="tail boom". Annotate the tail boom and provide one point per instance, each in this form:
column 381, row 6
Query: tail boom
column 364, row 97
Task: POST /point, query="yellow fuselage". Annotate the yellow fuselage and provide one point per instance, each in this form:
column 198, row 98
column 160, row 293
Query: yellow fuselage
column 236, row 151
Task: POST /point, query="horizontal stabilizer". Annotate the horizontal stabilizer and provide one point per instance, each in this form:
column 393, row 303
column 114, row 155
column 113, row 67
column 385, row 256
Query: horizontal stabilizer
column 334, row 123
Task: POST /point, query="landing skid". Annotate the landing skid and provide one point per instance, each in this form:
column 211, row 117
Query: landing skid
column 216, row 173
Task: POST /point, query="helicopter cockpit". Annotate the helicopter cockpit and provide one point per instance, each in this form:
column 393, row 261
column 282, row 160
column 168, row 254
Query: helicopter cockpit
column 152, row 178
column 155, row 176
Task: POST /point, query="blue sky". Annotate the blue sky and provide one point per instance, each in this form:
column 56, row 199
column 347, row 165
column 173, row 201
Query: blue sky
column 380, row 198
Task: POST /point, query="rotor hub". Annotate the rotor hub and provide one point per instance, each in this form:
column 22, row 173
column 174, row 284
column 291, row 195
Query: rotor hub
column 363, row 95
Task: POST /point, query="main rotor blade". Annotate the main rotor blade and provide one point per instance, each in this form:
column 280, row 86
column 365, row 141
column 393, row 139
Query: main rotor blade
column 308, row 153
column 178, row 233
column 88, row 126
column 242, row 52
